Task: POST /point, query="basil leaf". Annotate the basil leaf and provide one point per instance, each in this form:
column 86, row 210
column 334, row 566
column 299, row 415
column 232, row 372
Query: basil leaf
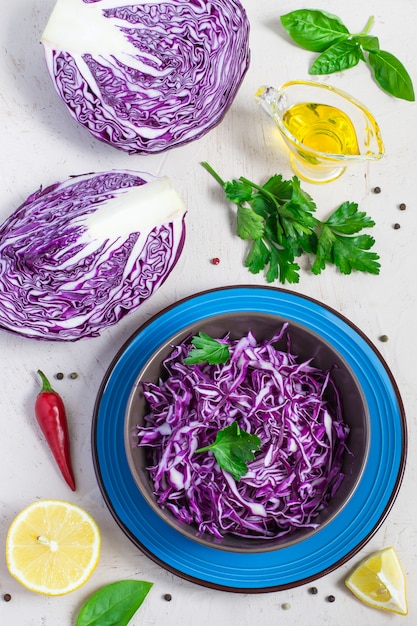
column 341, row 56
column 114, row 604
column 314, row 30
column 391, row 75
column 368, row 42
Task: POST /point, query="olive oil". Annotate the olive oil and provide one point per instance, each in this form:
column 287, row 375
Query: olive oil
column 322, row 128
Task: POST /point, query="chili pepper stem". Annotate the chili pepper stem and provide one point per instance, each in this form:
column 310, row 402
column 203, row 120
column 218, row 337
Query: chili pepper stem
column 46, row 385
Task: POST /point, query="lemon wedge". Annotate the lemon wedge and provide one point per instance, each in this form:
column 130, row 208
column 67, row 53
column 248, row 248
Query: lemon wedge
column 379, row 581
column 52, row 547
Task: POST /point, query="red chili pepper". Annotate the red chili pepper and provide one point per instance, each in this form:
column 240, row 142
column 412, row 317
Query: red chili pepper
column 51, row 416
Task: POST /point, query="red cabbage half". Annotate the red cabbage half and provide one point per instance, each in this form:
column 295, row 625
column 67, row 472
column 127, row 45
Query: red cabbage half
column 79, row 255
column 293, row 407
column 147, row 76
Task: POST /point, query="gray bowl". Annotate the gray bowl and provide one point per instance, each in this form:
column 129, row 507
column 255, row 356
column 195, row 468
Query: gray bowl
column 304, row 343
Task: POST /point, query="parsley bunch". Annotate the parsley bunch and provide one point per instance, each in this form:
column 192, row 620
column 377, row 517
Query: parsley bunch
column 278, row 219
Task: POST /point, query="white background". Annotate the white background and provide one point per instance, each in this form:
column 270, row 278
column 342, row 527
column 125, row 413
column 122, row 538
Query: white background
column 41, row 144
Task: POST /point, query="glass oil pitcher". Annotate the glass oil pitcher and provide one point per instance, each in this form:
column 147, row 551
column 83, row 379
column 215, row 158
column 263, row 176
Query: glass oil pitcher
column 324, row 128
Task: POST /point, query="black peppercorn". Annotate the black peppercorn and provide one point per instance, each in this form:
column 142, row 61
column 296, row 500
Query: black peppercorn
column 377, row 189
column 59, row 376
column 331, row 598
column 402, row 206
column 168, row 597
column 313, row 590
column 7, row 597
column 396, row 226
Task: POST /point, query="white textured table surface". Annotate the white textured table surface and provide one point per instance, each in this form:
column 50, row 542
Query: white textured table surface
column 42, row 144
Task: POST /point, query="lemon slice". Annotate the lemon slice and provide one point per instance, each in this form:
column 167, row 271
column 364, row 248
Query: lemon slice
column 52, row 547
column 380, row 582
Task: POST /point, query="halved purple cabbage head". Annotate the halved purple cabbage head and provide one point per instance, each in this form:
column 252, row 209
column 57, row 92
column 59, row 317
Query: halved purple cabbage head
column 147, row 76
column 77, row 256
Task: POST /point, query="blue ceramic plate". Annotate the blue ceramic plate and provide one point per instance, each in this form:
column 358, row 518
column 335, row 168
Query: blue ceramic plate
column 295, row 564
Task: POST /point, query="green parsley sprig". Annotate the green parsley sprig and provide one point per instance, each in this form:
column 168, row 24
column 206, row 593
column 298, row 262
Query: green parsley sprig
column 233, row 449
column 207, row 350
column 319, row 31
column 278, row 219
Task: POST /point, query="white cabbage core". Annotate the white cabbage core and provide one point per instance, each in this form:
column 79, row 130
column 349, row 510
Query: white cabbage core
column 77, row 28
column 138, row 209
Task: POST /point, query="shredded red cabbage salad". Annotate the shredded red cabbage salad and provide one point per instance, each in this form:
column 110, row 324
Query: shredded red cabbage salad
column 298, row 467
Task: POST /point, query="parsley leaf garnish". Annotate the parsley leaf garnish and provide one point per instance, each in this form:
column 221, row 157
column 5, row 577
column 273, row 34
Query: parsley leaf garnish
column 233, row 449
column 207, row 350
column 250, row 225
column 278, row 219
column 336, row 245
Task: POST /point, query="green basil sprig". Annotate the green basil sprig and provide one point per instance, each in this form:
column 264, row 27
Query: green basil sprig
column 114, row 604
column 319, row 31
